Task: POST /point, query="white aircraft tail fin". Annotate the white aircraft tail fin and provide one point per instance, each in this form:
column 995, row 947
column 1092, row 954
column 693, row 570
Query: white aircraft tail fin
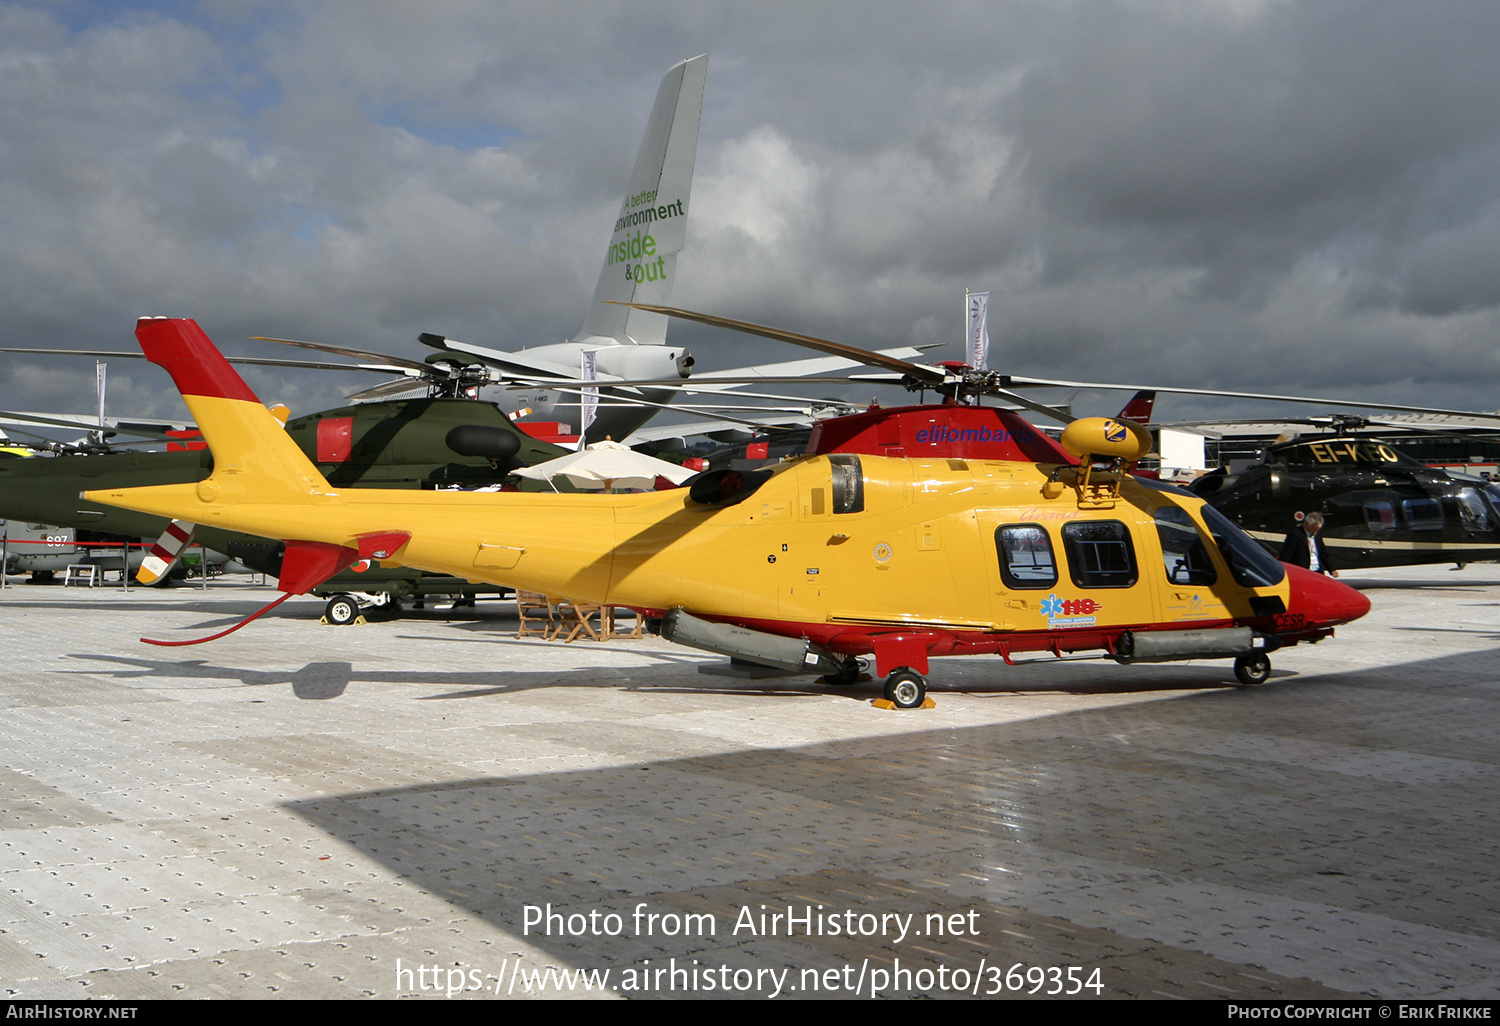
column 641, row 261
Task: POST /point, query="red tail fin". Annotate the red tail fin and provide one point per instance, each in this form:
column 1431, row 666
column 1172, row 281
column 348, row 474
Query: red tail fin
column 1139, row 408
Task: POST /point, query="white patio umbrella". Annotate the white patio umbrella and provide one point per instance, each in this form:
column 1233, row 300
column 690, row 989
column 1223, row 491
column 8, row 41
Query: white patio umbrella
column 608, row 465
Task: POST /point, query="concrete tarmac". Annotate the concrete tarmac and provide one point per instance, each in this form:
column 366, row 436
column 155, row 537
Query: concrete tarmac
column 428, row 806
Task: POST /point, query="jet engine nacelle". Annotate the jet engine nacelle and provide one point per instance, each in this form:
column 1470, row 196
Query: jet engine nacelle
column 634, row 363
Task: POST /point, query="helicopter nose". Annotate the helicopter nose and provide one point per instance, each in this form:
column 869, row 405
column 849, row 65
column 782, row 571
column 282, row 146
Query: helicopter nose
column 1322, row 601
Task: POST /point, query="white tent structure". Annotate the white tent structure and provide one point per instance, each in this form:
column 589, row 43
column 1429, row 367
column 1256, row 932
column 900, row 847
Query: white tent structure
column 607, row 465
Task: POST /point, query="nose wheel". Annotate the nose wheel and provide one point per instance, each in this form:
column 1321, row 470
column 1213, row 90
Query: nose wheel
column 905, row 688
column 1253, row 670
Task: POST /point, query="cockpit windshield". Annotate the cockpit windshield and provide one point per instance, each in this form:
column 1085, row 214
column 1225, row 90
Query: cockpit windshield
column 1251, row 565
column 1492, row 497
column 1473, row 510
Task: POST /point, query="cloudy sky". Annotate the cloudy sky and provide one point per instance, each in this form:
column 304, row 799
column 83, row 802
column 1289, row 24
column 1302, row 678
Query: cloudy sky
column 1246, row 194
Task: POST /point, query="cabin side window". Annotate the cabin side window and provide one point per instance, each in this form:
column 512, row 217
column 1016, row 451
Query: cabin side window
column 1026, row 559
column 1182, row 550
column 1380, row 515
column 1100, row 554
column 1423, row 514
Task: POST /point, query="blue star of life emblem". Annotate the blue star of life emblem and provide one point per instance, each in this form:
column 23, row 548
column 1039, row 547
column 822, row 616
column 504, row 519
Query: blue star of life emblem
column 1052, row 606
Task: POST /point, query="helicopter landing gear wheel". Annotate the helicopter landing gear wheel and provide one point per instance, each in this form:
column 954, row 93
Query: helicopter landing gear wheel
column 1253, row 670
column 905, row 688
column 341, row 610
column 845, row 675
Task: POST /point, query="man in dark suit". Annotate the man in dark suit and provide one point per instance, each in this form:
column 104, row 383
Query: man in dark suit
column 1303, row 547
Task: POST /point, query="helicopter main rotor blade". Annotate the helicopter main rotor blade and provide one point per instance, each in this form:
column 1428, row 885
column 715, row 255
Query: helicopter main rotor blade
column 690, row 386
column 916, row 371
column 112, row 353
column 1003, row 384
column 692, row 383
column 627, row 401
column 255, row 361
column 509, row 365
column 387, row 364
column 148, row 430
column 1053, row 412
column 1328, row 424
column 387, row 389
column 1016, row 381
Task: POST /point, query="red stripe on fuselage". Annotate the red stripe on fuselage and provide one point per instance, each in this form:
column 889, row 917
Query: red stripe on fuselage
column 196, row 366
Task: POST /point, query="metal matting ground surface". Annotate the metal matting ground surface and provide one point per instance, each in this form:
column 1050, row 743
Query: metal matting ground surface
column 316, row 812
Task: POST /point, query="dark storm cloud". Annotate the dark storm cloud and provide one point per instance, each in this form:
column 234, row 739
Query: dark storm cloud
column 1247, row 145
column 1239, row 194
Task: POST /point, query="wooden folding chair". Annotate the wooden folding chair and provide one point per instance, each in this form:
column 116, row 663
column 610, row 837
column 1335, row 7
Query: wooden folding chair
column 581, row 622
column 535, row 615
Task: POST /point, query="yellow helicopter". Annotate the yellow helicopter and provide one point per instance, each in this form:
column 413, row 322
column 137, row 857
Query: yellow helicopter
column 903, row 533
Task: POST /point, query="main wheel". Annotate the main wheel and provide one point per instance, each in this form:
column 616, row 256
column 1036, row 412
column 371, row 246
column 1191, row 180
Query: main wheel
column 847, row 673
column 905, row 688
column 1253, row 670
column 341, row 610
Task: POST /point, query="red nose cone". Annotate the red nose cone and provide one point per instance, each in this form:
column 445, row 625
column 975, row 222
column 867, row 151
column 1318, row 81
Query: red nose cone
column 1322, row 601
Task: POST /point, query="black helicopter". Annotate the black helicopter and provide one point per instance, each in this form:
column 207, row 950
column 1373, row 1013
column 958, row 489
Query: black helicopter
column 1380, row 506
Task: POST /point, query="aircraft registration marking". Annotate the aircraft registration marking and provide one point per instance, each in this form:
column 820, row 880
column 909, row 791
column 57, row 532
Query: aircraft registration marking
column 1352, row 452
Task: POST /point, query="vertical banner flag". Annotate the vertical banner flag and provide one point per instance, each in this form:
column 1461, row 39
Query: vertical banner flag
column 590, row 393
column 99, row 387
column 977, row 328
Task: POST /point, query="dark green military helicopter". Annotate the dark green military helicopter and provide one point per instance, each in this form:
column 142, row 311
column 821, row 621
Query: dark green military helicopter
column 433, row 442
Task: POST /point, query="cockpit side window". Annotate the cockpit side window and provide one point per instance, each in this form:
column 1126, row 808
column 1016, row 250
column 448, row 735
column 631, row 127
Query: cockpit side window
column 1182, row 550
column 1026, row 559
column 848, row 483
column 1380, row 515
